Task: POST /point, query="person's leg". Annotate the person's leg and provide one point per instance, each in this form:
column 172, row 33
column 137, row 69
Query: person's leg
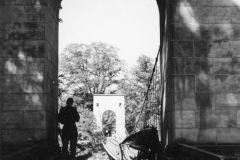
column 65, row 147
column 73, row 144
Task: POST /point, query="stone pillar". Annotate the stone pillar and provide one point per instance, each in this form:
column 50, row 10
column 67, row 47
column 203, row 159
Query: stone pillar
column 28, row 72
column 200, row 58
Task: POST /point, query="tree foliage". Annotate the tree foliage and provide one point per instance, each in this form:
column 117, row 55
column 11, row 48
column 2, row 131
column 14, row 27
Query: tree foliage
column 85, row 70
column 89, row 69
column 134, row 85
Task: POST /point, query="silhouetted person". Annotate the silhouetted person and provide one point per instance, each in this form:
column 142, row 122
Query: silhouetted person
column 68, row 116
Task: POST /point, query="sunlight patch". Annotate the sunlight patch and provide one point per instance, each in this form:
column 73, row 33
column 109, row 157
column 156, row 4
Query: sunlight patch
column 237, row 2
column 37, row 5
column 232, row 100
column 11, row 67
column 39, row 76
column 187, row 14
column 203, row 77
column 21, row 56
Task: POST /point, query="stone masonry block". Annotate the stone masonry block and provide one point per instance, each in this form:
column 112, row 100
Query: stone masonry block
column 236, row 31
column 2, row 84
column 25, row 31
column 227, row 118
column 226, row 101
column 235, row 15
column 51, row 120
column 203, row 82
column 203, row 66
column 202, row 48
column 184, row 119
column 188, row 119
column 206, row 119
column 204, row 32
column 1, row 102
column 202, row 14
column 235, row 49
column 18, row 2
column 222, row 65
column 185, row 101
column 236, row 83
column 215, row 119
column 223, row 32
column 186, row 135
column 223, row 3
column 230, row 83
column 26, row 49
column 1, row 65
column 178, row 119
column 24, row 66
column 206, row 136
column 189, row 66
column 22, row 13
column 11, row 119
column 51, row 21
column 34, row 84
column 178, row 65
column 238, row 118
column 13, row 102
column 181, row 32
column 223, row 135
column 221, row 14
column 35, row 102
column 183, row 48
column 34, row 119
column 221, row 83
column 12, row 83
column 22, row 137
column 204, row 100
column 236, row 66
column 222, row 50
column 184, row 83
column 5, row 14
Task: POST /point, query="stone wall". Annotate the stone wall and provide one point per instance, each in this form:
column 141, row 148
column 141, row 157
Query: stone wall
column 28, row 71
column 201, row 62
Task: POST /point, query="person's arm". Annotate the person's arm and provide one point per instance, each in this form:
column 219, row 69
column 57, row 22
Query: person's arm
column 61, row 117
column 77, row 117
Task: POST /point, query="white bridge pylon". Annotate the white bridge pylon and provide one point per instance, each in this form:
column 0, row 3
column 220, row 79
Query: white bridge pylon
column 112, row 102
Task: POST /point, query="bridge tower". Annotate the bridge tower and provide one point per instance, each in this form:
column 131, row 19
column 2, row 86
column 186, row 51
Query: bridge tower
column 112, row 102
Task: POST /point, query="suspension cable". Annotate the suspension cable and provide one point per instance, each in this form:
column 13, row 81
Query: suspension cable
column 148, row 89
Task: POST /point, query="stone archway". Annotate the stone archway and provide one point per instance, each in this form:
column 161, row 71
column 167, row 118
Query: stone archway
column 109, row 122
column 112, row 102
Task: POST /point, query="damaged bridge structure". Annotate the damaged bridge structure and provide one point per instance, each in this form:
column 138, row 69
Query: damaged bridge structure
column 192, row 102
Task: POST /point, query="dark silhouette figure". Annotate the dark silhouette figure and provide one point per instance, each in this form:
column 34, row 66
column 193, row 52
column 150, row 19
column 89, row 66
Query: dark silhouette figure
column 68, row 116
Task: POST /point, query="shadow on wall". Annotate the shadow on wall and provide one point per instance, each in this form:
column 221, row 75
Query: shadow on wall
column 206, row 71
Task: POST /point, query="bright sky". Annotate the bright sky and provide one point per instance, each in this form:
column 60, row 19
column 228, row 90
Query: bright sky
column 130, row 25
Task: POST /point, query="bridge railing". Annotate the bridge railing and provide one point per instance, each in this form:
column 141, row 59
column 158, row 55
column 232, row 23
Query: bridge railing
column 202, row 154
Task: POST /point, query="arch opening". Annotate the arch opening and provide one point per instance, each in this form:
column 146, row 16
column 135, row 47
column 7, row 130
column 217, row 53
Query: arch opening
column 109, row 123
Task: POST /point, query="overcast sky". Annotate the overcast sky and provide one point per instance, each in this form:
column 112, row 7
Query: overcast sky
column 130, row 25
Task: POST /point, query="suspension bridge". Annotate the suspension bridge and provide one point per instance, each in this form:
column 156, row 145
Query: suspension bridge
column 144, row 139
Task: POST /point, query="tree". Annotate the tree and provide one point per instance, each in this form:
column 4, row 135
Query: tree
column 89, row 69
column 85, row 70
column 134, row 86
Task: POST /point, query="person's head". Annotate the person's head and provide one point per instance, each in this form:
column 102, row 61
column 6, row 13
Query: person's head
column 70, row 101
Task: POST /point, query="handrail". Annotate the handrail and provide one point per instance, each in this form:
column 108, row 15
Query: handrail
column 203, row 153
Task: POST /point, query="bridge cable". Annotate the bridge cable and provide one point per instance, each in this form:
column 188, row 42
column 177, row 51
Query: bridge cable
column 146, row 96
